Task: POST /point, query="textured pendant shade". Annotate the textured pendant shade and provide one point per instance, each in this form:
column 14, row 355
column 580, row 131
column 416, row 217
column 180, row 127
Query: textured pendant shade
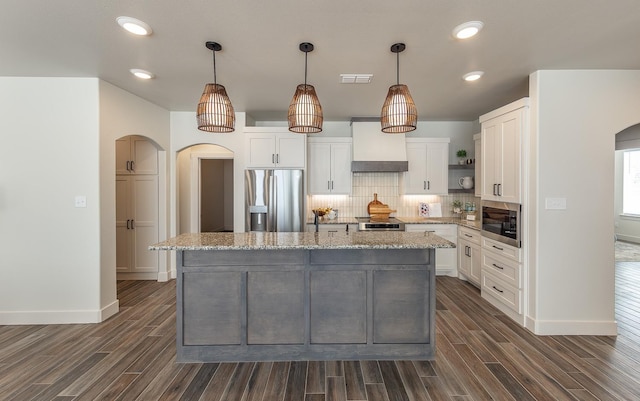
column 305, row 112
column 215, row 111
column 399, row 113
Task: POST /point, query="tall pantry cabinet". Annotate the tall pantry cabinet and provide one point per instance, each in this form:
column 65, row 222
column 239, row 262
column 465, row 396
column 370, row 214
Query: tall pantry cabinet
column 136, row 208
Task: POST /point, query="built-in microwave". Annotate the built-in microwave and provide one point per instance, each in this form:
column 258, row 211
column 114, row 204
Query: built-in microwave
column 501, row 222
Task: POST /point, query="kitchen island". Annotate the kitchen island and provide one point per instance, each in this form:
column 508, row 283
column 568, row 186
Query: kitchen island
column 305, row 296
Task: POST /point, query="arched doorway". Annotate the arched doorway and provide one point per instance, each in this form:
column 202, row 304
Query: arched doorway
column 140, row 208
column 205, row 187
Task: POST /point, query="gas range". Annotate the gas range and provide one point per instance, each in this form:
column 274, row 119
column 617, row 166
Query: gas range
column 393, row 224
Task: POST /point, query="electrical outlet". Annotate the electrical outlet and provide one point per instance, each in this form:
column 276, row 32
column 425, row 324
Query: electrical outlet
column 81, row 201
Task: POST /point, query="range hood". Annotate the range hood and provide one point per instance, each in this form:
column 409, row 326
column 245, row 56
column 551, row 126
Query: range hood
column 375, row 151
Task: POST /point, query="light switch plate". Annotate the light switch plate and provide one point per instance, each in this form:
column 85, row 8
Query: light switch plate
column 81, row 201
column 555, row 203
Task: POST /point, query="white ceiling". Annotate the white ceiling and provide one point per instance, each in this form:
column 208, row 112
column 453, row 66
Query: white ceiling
column 260, row 63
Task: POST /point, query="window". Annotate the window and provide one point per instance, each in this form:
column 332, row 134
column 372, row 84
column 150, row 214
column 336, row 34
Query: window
column 631, row 182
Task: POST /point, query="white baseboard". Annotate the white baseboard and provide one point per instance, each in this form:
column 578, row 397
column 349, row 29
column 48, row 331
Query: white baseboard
column 138, row 276
column 572, row 327
column 59, row 317
column 164, row 276
column 628, row 238
column 447, row 272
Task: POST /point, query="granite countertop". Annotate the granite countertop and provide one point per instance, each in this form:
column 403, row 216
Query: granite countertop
column 474, row 224
column 303, row 240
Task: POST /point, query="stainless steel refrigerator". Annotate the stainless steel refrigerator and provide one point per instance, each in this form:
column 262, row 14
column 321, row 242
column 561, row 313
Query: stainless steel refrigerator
column 274, row 200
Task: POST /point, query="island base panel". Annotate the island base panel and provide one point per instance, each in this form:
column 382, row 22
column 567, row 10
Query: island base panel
column 310, row 305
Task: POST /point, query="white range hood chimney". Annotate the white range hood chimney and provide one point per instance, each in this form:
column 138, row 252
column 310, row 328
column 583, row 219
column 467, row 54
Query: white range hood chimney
column 375, row 151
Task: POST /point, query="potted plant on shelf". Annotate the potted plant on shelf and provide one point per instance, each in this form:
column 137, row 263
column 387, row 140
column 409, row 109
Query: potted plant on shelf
column 457, row 206
column 461, row 155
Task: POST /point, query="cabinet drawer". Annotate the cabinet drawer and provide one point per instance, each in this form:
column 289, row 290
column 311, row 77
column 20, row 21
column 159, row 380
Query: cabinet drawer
column 469, row 234
column 506, row 294
column 506, row 270
column 443, row 230
column 501, row 249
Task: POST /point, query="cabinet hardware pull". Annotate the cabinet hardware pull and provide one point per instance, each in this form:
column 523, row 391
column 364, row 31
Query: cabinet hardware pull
column 133, row 165
column 332, row 184
column 499, row 189
column 128, row 165
column 428, row 184
column 498, row 248
column 424, row 185
column 429, row 231
column 278, row 158
column 273, row 158
column 467, row 235
column 495, row 191
column 128, row 219
column 133, row 226
column 497, row 289
column 499, row 267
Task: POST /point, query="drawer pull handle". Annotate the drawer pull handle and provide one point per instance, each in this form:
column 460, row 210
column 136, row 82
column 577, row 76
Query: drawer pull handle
column 467, row 235
column 497, row 289
column 498, row 248
column 499, row 267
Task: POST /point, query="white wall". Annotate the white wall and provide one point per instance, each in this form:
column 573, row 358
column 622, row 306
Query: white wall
column 49, row 250
column 58, row 135
column 575, row 116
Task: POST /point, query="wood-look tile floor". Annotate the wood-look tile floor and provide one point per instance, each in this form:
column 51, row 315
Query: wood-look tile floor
column 480, row 355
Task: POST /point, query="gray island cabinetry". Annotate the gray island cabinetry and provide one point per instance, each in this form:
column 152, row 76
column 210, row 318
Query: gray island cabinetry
column 305, row 296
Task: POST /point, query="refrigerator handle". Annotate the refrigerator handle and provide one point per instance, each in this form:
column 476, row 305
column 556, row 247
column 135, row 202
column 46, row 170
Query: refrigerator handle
column 272, row 217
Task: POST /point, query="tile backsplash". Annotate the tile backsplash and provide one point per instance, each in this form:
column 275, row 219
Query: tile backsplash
column 386, row 185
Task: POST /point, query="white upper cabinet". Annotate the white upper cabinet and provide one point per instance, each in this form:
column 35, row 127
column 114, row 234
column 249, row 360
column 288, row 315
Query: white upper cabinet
column 428, row 166
column 270, row 148
column 478, row 165
column 501, row 150
column 136, row 155
column 329, row 169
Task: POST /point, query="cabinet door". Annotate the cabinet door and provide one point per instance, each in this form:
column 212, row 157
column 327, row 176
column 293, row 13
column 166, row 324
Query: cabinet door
column 290, row 151
column 145, row 222
column 437, row 168
column 478, row 167
column 261, row 151
column 341, row 168
column 491, row 159
column 145, row 156
column 475, row 265
column 123, row 155
column 510, row 127
column 415, row 180
column 464, row 260
column 123, row 224
column 319, row 171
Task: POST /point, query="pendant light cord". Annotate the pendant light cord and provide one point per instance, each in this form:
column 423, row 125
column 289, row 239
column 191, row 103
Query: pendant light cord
column 305, row 68
column 398, row 68
column 214, row 68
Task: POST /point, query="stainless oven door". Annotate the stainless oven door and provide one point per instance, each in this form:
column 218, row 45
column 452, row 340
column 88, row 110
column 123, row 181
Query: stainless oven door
column 501, row 222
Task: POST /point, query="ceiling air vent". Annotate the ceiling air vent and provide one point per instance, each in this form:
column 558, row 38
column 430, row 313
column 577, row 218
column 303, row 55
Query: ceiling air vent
column 355, row 78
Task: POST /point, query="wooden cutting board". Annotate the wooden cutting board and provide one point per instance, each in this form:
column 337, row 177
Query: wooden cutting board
column 375, row 201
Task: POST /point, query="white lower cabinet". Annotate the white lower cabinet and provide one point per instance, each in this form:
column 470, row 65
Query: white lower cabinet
column 446, row 258
column 469, row 255
column 136, row 226
column 502, row 278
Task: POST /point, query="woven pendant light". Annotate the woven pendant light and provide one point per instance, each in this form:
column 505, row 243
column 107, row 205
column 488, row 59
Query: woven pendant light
column 215, row 111
column 399, row 113
column 305, row 112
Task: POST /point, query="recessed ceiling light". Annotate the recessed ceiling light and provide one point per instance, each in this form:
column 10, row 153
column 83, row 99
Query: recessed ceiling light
column 467, row 30
column 134, row 26
column 142, row 74
column 473, row 75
